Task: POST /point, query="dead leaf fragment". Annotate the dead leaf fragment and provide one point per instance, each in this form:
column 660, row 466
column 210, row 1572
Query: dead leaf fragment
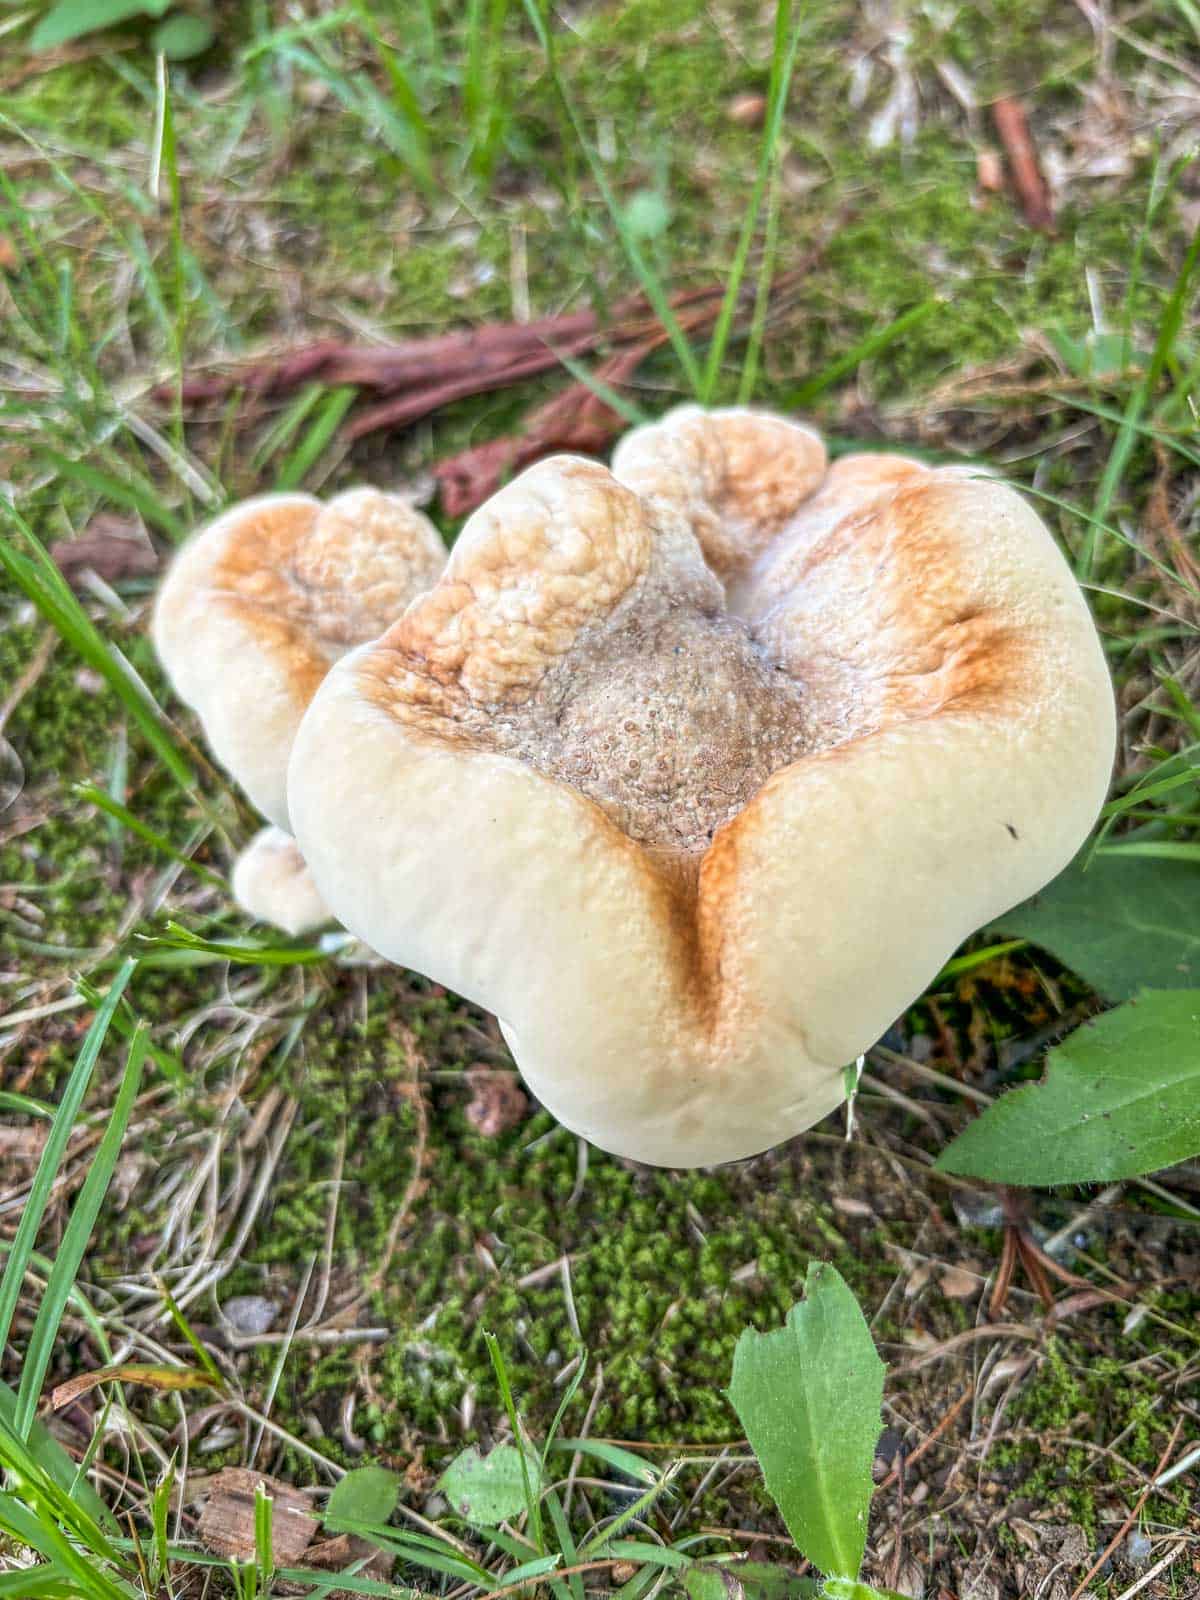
column 747, row 110
column 958, row 1284
column 226, row 1526
column 989, row 171
column 165, row 1378
column 112, row 547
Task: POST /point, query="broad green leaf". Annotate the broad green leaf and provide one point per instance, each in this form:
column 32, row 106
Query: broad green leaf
column 183, row 36
column 809, row 1398
column 367, row 1494
column 1121, row 1096
column 851, row 1589
column 1123, row 924
column 647, row 214
column 71, row 19
column 487, row 1490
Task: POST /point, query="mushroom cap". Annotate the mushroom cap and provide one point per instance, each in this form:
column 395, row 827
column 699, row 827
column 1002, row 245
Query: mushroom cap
column 256, row 607
column 272, row 882
column 697, row 833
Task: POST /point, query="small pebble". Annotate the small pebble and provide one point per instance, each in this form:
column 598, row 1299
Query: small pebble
column 250, row 1313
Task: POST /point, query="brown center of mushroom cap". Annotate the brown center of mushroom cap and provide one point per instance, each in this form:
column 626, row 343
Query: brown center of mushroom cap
column 581, row 633
column 670, row 719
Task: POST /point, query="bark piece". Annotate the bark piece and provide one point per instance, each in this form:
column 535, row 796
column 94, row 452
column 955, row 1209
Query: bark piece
column 227, row 1520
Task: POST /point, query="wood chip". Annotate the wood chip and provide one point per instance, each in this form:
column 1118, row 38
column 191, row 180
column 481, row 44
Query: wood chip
column 226, row 1525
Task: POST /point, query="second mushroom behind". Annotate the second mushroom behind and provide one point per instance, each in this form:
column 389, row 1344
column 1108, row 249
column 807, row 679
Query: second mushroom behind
column 696, row 771
column 252, row 613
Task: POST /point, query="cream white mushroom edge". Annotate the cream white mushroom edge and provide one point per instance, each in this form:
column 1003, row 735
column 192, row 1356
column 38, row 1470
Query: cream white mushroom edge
column 695, row 771
column 249, row 618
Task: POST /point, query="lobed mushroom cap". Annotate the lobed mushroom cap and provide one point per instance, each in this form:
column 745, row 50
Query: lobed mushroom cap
column 698, row 830
column 272, row 882
column 258, row 605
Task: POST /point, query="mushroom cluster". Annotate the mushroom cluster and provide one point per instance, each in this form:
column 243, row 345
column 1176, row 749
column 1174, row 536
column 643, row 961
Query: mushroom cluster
column 694, row 771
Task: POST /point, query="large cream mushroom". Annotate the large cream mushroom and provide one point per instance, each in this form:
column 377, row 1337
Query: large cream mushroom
column 251, row 615
column 695, row 772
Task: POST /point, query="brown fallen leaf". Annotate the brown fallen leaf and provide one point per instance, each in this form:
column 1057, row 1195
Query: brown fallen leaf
column 956, row 1283
column 226, row 1526
column 131, row 1372
column 1028, row 180
column 335, row 1555
column 498, row 1102
column 112, row 547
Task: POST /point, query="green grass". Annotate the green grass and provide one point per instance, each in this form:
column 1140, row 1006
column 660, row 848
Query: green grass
column 345, row 174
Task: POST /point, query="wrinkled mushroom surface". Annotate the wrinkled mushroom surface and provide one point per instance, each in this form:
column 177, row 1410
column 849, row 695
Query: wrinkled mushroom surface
column 695, row 772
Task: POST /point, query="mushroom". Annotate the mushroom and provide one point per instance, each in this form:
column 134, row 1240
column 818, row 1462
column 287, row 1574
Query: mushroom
column 695, row 772
column 250, row 617
column 271, row 881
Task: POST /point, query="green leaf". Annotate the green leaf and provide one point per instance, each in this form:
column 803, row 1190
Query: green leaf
column 809, row 1398
column 1123, row 923
column 183, row 36
column 647, row 214
column 71, row 19
column 1121, row 1096
column 486, row 1490
column 367, row 1494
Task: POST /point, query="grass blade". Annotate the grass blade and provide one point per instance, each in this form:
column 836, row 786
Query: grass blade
column 113, row 808
column 54, row 1149
column 134, row 492
column 42, row 583
column 646, row 275
column 318, row 434
column 75, row 1239
column 783, row 61
column 857, row 354
column 1114, row 469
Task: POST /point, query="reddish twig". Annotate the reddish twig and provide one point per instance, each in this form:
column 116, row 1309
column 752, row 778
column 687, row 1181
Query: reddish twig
column 929, row 1441
column 1130, row 1519
column 1028, row 180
